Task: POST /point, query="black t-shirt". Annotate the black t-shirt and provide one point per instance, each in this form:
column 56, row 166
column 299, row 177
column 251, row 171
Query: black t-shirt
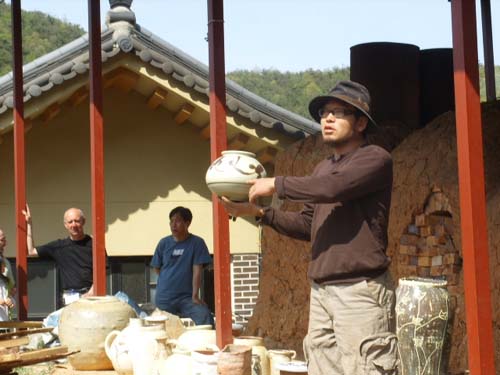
column 73, row 259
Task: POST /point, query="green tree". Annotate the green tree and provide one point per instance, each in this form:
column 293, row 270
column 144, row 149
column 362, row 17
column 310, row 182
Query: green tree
column 290, row 90
column 41, row 34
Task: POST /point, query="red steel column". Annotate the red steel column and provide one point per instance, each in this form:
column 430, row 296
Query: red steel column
column 218, row 143
column 472, row 190
column 489, row 63
column 97, row 149
column 19, row 162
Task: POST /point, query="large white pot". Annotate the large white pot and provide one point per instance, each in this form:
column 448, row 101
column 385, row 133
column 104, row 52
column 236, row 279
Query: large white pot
column 84, row 325
column 228, row 175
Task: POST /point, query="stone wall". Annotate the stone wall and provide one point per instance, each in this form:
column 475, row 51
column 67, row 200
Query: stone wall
column 425, row 164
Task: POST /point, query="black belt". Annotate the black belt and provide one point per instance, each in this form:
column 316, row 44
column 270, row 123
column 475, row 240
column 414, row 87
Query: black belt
column 79, row 291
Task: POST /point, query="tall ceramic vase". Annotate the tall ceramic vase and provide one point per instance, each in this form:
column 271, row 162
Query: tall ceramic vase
column 422, row 312
column 228, row 175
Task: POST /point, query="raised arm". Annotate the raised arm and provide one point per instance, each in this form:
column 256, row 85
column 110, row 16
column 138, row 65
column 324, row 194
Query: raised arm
column 30, row 242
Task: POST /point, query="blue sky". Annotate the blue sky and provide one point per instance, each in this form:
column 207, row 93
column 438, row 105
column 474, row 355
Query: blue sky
column 289, row 35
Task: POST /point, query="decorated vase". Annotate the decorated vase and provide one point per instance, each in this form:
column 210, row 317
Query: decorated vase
column 228, row 175
column 422, row 313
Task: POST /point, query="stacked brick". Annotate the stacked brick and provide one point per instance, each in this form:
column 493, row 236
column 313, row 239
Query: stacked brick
column 245, row 280
column 427, row 249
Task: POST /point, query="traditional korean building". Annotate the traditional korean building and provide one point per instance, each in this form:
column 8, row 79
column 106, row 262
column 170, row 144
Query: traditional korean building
column 156, row 121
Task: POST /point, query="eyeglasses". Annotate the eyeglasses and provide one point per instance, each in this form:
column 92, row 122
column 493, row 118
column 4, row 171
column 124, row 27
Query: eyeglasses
column 336, row 112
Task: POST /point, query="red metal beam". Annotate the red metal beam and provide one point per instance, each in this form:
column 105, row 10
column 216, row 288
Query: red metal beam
column 19, row 161
column 472, row 190
column 218, row 143
column 97, row 149
column 489, row 63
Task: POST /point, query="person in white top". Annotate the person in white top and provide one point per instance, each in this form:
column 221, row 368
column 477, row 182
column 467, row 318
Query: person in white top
column 6, row 302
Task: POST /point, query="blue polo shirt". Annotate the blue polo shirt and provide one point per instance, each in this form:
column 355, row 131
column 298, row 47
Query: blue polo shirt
column 175, row 261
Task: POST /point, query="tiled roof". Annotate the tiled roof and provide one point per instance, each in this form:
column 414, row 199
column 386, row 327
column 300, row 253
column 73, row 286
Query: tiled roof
column 123, row 36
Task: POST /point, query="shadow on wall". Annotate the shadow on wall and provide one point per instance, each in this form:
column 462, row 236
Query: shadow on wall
column 151, row 164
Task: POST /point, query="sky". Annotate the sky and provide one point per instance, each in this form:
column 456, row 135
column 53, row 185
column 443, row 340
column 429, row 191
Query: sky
column 288, row 35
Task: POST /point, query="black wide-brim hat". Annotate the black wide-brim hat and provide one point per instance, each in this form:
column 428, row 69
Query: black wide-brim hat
column 350, row 92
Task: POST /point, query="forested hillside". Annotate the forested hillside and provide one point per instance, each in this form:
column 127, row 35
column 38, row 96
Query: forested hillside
column 290, row 90
column 41, row 34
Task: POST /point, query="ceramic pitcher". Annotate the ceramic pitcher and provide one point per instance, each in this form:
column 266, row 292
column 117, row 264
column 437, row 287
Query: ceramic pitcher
column 119, row 345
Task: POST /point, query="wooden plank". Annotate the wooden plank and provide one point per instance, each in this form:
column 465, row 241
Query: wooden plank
column 9, row 357
column 21, row 324
column 43, row 353
column 5, row 367
column 25, row 332
column 14, row 342
column 48, row 358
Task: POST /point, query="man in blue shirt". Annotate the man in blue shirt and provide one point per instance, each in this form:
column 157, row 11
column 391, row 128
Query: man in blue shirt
column 179, row 260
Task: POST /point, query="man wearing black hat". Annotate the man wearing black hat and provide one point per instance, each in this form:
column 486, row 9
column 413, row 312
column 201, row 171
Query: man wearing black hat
column 345, row 217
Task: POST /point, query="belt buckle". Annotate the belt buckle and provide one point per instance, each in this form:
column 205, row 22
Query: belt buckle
column 70, row 296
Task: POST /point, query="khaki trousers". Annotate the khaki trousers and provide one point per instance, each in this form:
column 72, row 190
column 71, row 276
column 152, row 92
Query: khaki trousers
column 351, row 329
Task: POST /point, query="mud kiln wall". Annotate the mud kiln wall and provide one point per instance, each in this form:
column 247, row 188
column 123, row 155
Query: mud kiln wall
column 424, row 231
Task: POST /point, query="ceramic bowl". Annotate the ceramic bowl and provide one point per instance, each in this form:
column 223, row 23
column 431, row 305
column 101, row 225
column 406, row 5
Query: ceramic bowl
column 228, row 175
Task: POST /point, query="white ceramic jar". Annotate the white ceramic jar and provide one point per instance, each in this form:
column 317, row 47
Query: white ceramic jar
column 125, row 348
column 84, row 325
column 228, row 175
column 196, row 339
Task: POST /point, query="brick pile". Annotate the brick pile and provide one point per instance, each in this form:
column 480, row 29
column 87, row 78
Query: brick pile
column 427, row 249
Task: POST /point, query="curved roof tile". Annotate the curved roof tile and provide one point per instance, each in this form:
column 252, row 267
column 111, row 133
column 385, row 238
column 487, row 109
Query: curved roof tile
column 123, row 35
